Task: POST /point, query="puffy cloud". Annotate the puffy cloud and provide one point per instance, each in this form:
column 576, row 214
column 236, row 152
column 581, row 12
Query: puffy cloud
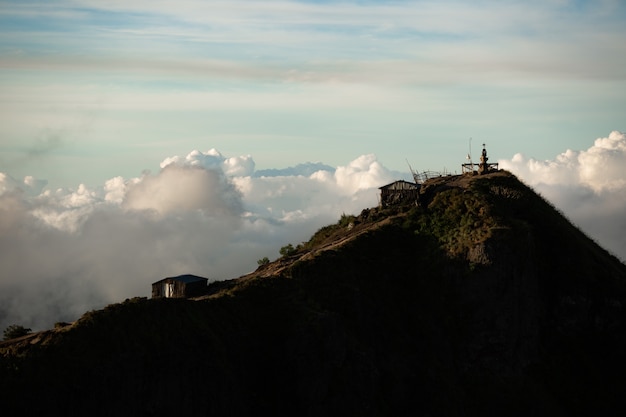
column 115, row 189
column 322, row 194
column 66, row 251
column 182, row 189
column 65, row 210
column 212, row 159
column 589, row 186
column 603, row 166
column 362, row 173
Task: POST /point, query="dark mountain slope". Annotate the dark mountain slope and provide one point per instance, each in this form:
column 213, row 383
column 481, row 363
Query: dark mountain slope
column 482, row 301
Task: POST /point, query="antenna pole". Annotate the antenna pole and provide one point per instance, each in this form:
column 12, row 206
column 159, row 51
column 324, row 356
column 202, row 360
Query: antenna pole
column 415, row 177
column 469, row 158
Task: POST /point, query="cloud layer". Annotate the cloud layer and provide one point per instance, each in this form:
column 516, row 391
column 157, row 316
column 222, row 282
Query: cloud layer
column 589, row 186
column 66, row 251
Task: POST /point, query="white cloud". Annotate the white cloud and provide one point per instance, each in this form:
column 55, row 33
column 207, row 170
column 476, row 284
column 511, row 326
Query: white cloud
column 603, row 166
column 180, row 189
column 115, row 189
column 237, row 166
column 589, row 186
column 362, row 173
column 65, row 210
column 66, row 251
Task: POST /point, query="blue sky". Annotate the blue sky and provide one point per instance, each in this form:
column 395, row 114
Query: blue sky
column 90, row 90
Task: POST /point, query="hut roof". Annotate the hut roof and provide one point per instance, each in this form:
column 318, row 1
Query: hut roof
column 187, row 278
column 400, row 185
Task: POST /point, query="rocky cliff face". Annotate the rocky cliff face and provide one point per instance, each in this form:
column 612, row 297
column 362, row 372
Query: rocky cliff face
column 482, row 301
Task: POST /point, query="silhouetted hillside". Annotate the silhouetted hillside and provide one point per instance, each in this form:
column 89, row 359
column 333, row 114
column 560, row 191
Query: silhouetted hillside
column 482, row 300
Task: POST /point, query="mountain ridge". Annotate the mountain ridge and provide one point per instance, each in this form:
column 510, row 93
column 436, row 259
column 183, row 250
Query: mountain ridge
column 480, row 299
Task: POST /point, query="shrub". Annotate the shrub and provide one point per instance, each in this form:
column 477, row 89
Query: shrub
column 287, row 250
column 15, row 330
column 263, row 261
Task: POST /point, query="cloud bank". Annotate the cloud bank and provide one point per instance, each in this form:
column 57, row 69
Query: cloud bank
column 66, row 251
column 589, row 186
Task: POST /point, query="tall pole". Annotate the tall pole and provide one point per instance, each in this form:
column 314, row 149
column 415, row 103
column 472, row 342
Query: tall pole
column 469, row 155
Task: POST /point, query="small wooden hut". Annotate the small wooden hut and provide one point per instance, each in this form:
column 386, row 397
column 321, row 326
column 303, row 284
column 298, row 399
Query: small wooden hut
column 399, row 192
column 182, row 286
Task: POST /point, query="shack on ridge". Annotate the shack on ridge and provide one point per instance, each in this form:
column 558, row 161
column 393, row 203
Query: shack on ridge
column 399, row 192
column 182, row 286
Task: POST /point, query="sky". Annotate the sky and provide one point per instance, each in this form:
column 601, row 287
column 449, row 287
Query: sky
column 149, row 138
